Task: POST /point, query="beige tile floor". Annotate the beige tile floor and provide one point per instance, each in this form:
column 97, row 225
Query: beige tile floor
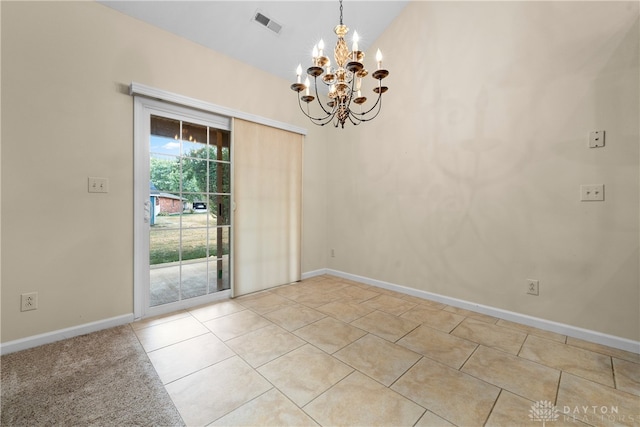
column 328, row 351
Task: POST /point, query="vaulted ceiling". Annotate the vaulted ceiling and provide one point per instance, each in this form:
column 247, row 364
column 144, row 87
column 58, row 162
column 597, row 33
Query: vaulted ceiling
column 230, row 27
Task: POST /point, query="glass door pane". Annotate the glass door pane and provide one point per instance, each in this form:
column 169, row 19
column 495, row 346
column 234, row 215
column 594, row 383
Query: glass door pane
column 190, row 198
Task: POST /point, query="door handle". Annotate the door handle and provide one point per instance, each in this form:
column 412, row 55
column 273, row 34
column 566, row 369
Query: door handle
column 147, row 211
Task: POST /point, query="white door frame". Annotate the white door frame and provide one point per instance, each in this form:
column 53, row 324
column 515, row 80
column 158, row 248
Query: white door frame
column 143, row 109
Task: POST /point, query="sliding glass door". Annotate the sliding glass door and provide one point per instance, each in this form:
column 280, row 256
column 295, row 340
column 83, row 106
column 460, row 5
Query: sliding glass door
column 185, row 159
column 216, row 214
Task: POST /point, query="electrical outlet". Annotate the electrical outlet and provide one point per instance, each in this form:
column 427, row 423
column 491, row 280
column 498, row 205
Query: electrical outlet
column 533, row 287
column 29, row 301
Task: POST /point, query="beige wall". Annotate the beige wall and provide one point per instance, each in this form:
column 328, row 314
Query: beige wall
column 67, row 116
column 467, row 184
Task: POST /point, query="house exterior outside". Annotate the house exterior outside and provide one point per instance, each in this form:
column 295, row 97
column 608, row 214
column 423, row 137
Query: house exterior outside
column 164, row 202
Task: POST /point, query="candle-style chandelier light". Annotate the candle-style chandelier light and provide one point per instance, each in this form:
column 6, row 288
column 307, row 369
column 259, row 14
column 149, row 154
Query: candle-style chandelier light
column 344, row 80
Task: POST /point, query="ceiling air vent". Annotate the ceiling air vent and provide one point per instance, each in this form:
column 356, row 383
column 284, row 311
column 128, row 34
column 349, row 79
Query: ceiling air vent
column 267, row 22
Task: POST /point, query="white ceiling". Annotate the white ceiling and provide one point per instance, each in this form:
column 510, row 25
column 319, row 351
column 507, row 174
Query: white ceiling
column 228, row 26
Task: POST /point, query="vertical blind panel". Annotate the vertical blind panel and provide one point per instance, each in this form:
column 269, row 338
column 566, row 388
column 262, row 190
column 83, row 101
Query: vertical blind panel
column 268, row 215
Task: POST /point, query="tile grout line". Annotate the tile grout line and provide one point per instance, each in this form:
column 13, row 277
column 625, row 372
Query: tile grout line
column 613, row 372
column 324, row 392
column 407, row 397
column 575, row 373
column 245, row 403
column 558, row 388
column 422, row 356
column 408, row 332
column 495, row 402
column 469, row 357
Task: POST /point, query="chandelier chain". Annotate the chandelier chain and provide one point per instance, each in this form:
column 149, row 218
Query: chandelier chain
column 341, row 12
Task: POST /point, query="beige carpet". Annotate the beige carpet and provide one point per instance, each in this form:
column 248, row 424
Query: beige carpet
column 99, row 379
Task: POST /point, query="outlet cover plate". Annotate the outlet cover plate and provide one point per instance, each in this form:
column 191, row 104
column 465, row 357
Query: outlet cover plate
column 29, row 301
column 596, row 139
column 98, row 185
column 533, row 287
column 592, row 193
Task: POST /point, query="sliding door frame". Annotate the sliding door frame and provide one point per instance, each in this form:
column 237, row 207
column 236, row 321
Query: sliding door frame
column 150, row 97
column 144, row 108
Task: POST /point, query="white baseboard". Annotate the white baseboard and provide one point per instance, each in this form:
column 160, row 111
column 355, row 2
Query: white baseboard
column 61, row 334
column 310, row 274
column 547, row 325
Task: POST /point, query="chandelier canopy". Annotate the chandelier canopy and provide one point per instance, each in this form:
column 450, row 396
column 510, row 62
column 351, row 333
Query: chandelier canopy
column 343, row 80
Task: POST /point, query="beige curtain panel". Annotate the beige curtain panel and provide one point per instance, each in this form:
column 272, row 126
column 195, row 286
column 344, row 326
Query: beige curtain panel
column 268, row 207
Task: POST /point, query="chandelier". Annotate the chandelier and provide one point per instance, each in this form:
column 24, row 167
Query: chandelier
column 343, row 80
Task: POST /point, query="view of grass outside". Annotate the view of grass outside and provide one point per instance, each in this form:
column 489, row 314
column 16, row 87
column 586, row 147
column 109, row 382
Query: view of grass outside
column 164, row 241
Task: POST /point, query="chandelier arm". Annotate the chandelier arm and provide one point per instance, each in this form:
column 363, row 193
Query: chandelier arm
column 321, row 121
column 377, row 104
column 361, row 116
column 353, row 115
column 333, row 110
column 355, row 123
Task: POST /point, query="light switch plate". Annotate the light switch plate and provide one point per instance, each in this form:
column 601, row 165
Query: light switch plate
column 596, row 139
column 98, row 185
column 592, row 193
